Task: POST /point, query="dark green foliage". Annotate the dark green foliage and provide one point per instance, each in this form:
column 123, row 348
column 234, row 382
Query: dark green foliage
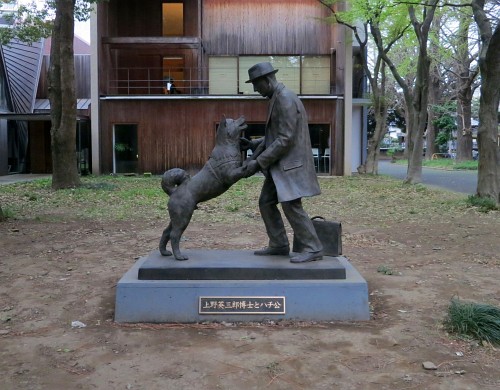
column 32, row 21
column 445, row 123
column 483, row 204
column 383, row 269
column 475, row 320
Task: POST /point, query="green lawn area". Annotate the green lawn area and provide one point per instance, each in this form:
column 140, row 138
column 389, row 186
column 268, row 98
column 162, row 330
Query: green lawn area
column 446, row 163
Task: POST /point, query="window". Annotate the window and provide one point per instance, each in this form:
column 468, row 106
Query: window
column 223, row 75
column 173, row 19
column 302, row 74
column 289, row 71
column 315, row 75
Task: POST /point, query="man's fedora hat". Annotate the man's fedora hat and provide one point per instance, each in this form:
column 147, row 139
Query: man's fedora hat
column 259, row 70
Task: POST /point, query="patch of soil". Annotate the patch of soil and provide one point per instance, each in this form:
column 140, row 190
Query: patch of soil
column 53, row 273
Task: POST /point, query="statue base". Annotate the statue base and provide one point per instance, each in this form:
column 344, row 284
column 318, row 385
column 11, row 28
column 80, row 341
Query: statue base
column 237, row 286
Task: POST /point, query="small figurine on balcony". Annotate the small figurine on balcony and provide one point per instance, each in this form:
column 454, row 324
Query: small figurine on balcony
column 169, row 87
column 284, row 156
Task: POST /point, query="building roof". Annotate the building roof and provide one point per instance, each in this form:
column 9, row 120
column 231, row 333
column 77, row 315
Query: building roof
column 42, row 111
column 22, row 62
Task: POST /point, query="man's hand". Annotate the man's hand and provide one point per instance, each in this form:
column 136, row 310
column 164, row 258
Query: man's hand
column 245, row 144
column 251, row 167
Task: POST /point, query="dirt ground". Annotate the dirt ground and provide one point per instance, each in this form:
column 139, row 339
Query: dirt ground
column 53, row 273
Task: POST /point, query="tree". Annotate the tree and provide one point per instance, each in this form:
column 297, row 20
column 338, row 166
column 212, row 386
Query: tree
column 362, row 17
column 62, row 97
column 488, row 183
column 416, row 96
column 465, row 88
column 56, row 18
column 434, row 92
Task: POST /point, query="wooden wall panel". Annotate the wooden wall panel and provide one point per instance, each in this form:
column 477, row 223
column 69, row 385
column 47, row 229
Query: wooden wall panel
column 137, row 18
column 39, row 147
column 265, row 27
column 180, row 132
column 143, row 18
column 82, row 77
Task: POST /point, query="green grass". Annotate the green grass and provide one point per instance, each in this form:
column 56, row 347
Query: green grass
column 446, row 163
column 374, row 198
column 474, row 320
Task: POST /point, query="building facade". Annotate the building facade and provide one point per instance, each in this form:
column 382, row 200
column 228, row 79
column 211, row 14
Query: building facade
column 165, row 72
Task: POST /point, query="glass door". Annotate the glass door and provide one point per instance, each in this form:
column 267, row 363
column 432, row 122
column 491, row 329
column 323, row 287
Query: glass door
column 125, row 149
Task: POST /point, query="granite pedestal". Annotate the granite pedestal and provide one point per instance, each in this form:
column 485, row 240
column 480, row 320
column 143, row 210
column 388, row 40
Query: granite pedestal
column 237, row 286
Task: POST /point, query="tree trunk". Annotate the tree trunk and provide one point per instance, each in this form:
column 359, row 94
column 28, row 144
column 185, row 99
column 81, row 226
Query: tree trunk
column 416, row 129
column 2, row 216
column 434, row 100
column 434, row 93
column 464, row 94
column 488, row 183
column 418, row 107
column 370, row 166
column 63, row 98
column 464, row 128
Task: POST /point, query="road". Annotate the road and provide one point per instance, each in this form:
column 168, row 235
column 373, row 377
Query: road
column 458, row 181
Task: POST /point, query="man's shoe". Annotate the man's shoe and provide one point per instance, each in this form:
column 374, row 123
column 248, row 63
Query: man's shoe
column 272, row 251
column 307, row 257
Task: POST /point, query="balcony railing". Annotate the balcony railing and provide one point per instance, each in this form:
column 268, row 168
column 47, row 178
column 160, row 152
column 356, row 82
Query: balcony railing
column 152, row 81
column 194, row 81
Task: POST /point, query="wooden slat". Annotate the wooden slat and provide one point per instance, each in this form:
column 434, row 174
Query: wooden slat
column 181, row 133
column 265, row 27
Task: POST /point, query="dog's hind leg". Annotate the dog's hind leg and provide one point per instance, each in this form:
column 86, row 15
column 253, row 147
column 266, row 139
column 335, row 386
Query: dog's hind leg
column 164, row 240
column 181, row 221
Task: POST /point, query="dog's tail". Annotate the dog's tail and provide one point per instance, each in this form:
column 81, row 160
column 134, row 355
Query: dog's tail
column 173, row 178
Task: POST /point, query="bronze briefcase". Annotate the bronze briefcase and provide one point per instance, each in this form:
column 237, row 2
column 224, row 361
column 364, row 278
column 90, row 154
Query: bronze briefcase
column 330, row 235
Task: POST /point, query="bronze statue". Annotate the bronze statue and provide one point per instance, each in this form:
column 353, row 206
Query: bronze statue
column 284, row 156
column 222, row 170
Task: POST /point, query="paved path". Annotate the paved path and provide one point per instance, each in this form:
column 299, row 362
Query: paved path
column 458, row 180
column 17, row 178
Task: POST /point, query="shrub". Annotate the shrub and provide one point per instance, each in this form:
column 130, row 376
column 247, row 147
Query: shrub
column 479, row 321
column 484, row 204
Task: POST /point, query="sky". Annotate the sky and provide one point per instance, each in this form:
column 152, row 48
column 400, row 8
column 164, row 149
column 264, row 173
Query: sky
column 82, row 29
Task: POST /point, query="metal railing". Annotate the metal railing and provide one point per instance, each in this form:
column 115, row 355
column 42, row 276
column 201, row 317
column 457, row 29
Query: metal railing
column 151, row 81
column 183, row 81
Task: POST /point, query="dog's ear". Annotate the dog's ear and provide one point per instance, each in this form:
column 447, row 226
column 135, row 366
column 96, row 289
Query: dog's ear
column 223, row 120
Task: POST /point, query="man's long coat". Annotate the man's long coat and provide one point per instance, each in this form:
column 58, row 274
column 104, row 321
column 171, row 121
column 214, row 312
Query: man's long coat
column 286, row 153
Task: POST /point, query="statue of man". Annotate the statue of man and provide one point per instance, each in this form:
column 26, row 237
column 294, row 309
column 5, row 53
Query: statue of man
column 285, row 158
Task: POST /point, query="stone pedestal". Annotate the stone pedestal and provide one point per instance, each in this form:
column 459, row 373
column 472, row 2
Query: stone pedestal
column 237, row 286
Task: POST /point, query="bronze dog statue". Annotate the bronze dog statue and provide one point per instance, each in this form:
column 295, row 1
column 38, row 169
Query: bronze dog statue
column 222, row 170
